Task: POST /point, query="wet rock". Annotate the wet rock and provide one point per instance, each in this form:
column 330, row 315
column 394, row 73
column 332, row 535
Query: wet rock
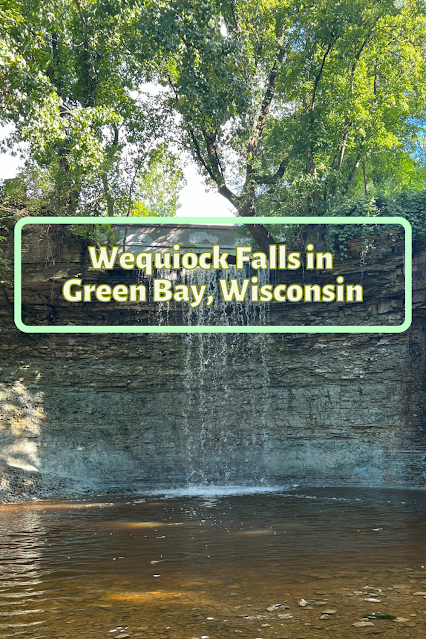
column 276, row 607
column 329, row 612
column 320, row 603
column 284, row 616
column 419, row 594
column 401, row 620
column 363, row 624
column 372, row 600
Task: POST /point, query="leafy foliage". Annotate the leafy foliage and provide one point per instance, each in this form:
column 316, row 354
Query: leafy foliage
column 406, row 204
column 283, row 104
column 159, row 186
column 72, row 92
column 287, row 108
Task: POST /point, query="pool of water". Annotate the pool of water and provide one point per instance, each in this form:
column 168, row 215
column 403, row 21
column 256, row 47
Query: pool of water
column 204, row 564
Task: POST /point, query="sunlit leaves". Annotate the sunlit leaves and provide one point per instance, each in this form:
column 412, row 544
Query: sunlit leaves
column 76, row 100
column 281, row 103
column 330, row 85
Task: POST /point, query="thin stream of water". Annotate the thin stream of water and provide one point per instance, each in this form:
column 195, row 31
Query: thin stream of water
column 209, row 392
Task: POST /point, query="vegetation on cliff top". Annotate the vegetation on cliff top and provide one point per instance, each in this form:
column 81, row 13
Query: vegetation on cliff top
column 286, row 107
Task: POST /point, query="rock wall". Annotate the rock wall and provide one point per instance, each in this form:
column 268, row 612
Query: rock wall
column 85, row 413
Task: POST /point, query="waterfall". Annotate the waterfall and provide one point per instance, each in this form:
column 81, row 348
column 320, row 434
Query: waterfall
column 214, row 365
column 213, row 447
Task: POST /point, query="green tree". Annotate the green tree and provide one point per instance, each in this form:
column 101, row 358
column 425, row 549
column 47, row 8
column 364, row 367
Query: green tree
column 158, row 187
column 287, row 106
column 71, row 90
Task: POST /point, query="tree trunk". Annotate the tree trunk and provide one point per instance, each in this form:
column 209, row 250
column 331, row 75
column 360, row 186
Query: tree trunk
column 364, row 174
column 108, row 197
column 261, row 236
column 258, row 232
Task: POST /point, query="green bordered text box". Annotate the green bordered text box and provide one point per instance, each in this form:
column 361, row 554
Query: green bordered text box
column 218, row 221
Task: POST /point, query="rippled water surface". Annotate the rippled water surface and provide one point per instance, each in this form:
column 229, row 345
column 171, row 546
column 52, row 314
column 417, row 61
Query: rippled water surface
column 185, row 566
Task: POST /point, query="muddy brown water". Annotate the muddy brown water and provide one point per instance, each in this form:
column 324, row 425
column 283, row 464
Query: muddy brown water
column 196, row 566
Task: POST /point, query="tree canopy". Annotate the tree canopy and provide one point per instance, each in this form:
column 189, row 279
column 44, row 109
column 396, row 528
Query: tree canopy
column 286, row 106
column 72, row 92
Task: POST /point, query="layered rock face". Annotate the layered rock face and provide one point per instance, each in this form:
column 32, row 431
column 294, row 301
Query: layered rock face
column 83, row 413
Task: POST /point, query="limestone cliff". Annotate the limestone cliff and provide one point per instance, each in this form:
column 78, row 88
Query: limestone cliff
column 84, row 413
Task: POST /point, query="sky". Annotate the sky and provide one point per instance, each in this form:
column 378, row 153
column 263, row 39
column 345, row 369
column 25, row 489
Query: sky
column 195, row 202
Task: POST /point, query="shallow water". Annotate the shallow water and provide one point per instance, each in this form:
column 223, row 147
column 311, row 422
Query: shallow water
column 184, row 566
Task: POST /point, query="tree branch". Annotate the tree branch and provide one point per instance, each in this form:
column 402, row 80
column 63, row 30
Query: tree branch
column 266, row 102
column 234, row 17
column 86, row 30
column 319, row 74
column 358, row 55
column 214, row 173
column 353, row 172
column 272, row 179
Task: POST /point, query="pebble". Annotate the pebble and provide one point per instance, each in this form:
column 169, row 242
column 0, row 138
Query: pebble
column 372, row 600
column 330, row 612
column 276, row 606
column 419, row 594
column 285, row 616
column 400, row 620
column 362, row 624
